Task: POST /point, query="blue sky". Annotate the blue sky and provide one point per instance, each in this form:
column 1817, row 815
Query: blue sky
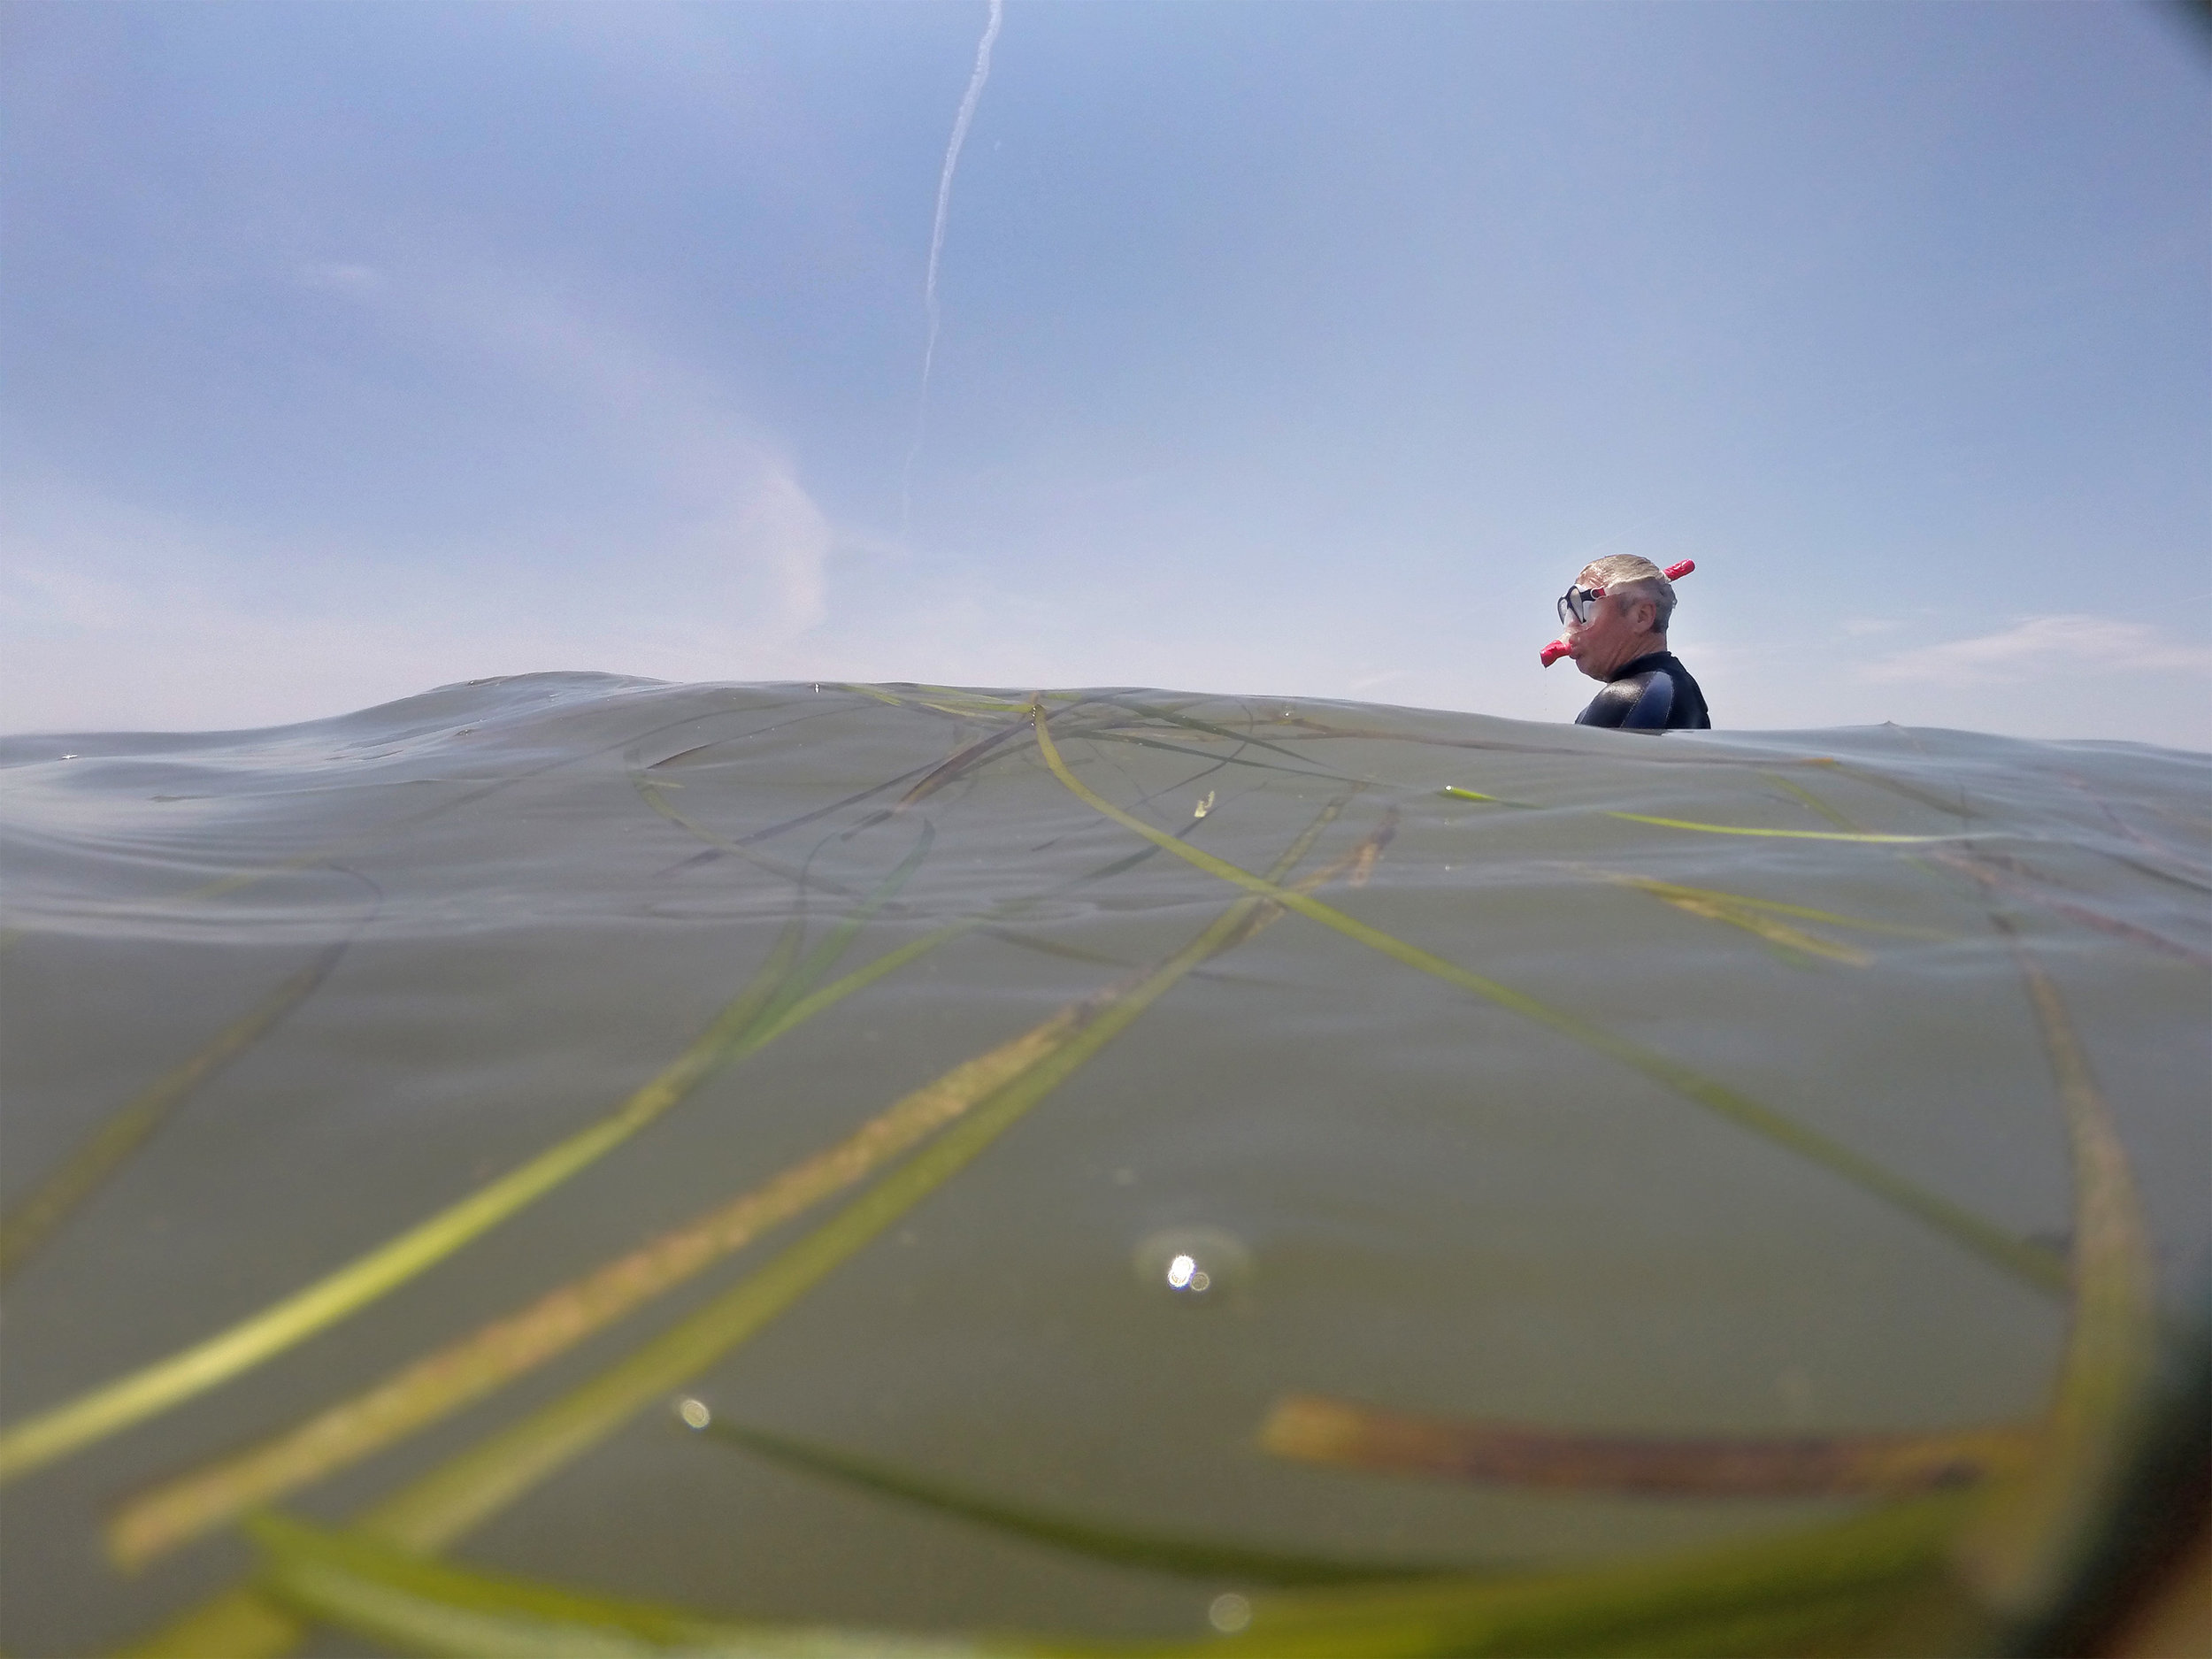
column 348, row 350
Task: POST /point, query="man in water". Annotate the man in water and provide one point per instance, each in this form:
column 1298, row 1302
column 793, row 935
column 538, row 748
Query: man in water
column 1617, row 615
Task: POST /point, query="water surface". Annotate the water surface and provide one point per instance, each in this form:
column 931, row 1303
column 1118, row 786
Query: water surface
column 461, row 928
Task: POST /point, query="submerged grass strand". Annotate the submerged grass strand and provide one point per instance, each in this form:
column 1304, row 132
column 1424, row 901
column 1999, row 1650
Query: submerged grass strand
column 167, row 1383
column 1875, row 1561
column 427, row 1606
column 1184, row 1554
column 954, row 767
column 453, row 1498
column 1774, row 907
column 440, row 1383
column 1753, row 1601
column 2027, row 1545
column 1781, row 1596
column 240, row 879
column 1771, row 1595
column 433, row 1510
column 86, row 1169
column 1779, row 834
column 2024, row 1261
column 762, row 1009
column 1175, row 716
column 2034, row 1528
column 1820, row 807
column 654, row 792
column 1108, row 736
column 1458, row 793
column 1345, row 1434
column 2003, row 875
column 1749, row 915
column 959, row 763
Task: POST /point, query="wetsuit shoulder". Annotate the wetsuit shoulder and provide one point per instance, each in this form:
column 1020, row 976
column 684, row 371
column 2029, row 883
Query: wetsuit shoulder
column 1626, row 701
column 1690, row 713
column 1653, row 693
column 1653, row 708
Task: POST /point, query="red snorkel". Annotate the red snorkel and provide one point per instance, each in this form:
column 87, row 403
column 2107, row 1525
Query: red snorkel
column 1557, row 649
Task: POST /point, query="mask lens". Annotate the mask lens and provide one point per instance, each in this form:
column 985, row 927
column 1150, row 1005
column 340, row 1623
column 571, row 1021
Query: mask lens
column 1575, row 605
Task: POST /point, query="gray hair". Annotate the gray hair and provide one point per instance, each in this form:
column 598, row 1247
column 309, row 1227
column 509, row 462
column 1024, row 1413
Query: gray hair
column 1628, row 577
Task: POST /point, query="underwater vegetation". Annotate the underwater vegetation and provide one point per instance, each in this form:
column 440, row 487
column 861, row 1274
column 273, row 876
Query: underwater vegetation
column 572, row 1164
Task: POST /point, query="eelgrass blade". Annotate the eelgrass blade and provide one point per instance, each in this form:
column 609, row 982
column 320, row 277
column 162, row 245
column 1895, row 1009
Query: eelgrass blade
column 167, row 1383
column 432, row 1511
column 2035, row 1527
column 1888, row 1575
column 238, row 880
column 1106, row 734
column 1878, row 780
column 877, row 692
column 1779, row 834
column 653, row 791
column 1754, row 1601
column 448, row 1612
column 1792, row 1593
column 952, row 768
column 1310, row 729
column 2024, row 1261
column 434, row 1386
column 426, row 1607
column 2028, row 1542
column 1345, row 1434
column 965, row 700
column 991, row 921
column 450, row 1500
column 2163, row 863
column 1175, row 716
column 1819, row 806
column 1775, row 907
column 85, row 1170
column 1683, row 1603
column 1458, row 793
column 1743, row 1599
column 1370, row 851
column 1184, row 1554
column 2005, row 876
column 1752, row 918
column 762, row 1010
column 959, row 763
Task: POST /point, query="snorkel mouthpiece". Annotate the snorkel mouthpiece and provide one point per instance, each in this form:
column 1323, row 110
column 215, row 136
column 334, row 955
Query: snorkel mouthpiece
column 1558, row 648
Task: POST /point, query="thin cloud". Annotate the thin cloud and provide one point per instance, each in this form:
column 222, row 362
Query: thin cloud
column 2071, row 644
column 710, row 559
column 731, row 511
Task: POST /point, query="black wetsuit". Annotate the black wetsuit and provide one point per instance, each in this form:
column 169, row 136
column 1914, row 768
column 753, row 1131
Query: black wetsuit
column 1653, row 693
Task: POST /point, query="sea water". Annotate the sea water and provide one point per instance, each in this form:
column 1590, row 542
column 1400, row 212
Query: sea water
column 348, row 973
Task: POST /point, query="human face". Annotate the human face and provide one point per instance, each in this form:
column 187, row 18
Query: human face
column 1619, row 631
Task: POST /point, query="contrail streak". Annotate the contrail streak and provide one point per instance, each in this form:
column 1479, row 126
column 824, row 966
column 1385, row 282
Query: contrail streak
column 968, row 101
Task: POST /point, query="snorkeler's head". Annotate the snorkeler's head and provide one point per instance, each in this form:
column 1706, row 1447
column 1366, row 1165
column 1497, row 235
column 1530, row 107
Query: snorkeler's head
column 1617, row 610
column 1624, row 579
